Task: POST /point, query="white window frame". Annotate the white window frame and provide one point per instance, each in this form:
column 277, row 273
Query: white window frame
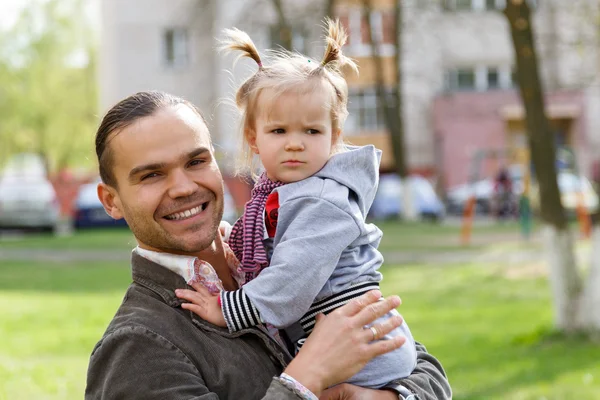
column 357, row 48
column 181, row 47
column 364, row 114
column 480, row 5
column 481, row 83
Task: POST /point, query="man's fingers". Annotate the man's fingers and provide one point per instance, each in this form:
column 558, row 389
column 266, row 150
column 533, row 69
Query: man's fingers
column 385, row 346
column 358, row 304
column 374, row 310
column 378, row 331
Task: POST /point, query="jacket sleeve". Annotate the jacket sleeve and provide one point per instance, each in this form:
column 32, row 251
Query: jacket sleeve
column 313, row 233
column 428, row 380
column 136, row 363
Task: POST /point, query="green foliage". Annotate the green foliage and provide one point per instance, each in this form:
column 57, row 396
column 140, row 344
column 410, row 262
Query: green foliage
column 47, row 83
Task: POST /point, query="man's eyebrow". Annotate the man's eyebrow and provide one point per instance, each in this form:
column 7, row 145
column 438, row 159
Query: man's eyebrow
column 154, row 166
column 197, row 152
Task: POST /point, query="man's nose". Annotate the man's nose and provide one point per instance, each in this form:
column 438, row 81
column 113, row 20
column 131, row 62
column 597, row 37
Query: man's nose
column 181, row 185
column 294, row 143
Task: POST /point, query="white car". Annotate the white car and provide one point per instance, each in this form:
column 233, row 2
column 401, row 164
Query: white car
column 28, row 202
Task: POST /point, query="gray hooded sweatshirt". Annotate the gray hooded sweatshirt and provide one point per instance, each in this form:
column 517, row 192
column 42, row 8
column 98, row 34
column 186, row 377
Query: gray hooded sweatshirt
column 322, row 246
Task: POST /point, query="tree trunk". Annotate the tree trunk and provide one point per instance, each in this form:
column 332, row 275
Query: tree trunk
column 285, row 30
column 564, row 276
column 392, row 102
column 329, row 8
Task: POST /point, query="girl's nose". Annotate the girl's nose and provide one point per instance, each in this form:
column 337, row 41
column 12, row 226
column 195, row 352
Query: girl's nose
column 294, row 144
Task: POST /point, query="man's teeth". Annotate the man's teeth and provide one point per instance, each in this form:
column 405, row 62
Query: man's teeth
column 186, row 214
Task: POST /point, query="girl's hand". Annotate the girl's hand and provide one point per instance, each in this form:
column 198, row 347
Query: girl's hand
column 202, row 303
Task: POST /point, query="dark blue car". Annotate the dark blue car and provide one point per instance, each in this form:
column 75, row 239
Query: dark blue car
column 89, row 212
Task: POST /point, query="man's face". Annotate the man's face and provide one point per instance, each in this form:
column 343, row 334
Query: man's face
column 169, row 187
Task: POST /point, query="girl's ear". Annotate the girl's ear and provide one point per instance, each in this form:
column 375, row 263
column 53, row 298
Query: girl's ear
column 335, row 136
column 251, row 138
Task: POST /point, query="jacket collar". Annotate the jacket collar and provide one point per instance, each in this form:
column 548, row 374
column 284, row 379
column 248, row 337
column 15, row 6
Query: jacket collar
column 157, row 278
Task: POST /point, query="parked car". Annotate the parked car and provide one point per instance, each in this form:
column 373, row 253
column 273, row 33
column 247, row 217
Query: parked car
column 388, row 200
column 229, row 211
column 483, row 190
column 27, row 201
column 456, row 198
column 90, row 213
column 570, row 186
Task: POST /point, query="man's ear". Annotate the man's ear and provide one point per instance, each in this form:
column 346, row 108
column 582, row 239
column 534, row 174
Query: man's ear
column 251, row 138
column 110, row 200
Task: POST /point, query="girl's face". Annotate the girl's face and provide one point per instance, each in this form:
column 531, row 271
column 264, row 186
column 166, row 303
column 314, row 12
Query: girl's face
column 293, row 134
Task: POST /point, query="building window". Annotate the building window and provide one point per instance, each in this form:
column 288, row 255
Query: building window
column 461, row 5
column 299, row 38
column 480, row 5
column 176, row 47
column 460, row 79
column 490, row 5
column 480, row 78
column 382, row 25
column 364, row 114
column 493, row 78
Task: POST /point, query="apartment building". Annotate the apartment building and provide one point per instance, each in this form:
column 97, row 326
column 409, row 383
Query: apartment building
column 459, row 94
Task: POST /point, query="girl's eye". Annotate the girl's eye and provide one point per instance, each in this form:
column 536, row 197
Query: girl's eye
column 313, row 131
column 278, row 130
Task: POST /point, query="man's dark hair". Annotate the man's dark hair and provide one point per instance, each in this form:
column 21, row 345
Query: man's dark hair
column 123, row 114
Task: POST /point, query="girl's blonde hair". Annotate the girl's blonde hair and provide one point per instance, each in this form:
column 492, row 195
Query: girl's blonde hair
column 283, row 71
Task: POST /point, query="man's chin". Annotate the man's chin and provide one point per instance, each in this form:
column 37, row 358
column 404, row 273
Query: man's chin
column 193, row 245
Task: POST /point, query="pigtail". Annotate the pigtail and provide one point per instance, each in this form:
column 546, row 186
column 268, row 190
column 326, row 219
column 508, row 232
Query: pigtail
column 335, row 40
column 236, row 40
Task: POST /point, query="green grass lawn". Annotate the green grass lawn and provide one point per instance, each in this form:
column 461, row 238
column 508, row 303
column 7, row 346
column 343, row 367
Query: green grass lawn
column 491, row 333
column 111, row 238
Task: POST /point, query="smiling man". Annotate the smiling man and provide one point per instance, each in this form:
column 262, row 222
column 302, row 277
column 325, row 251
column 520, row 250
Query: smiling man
column 159, row 173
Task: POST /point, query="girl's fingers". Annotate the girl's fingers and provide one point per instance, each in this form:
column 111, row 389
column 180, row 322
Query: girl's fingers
column 190, row 295
column 200, row 288
column 195, row 308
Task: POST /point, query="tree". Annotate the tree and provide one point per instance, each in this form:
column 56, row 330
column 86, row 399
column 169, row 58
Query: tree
column 391, row 102
column 48, row 91
column 575, row 307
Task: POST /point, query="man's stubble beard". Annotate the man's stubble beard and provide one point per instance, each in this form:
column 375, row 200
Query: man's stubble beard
column 155, row 236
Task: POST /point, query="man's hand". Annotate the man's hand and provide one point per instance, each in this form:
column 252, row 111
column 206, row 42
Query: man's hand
column 346, row 391
column 202, row 303
column 327, row 359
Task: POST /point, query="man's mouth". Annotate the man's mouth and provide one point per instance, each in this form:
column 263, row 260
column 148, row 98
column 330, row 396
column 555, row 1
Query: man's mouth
column 187, row 213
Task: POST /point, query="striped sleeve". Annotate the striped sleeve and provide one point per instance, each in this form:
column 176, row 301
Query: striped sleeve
column 238, row 310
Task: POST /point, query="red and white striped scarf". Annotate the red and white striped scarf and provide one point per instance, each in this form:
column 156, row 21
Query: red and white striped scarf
column 247, row 234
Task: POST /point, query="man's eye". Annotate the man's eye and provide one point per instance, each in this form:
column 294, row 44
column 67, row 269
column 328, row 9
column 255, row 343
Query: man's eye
column 197, row 162
column 149, row 176
column 278, row 130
